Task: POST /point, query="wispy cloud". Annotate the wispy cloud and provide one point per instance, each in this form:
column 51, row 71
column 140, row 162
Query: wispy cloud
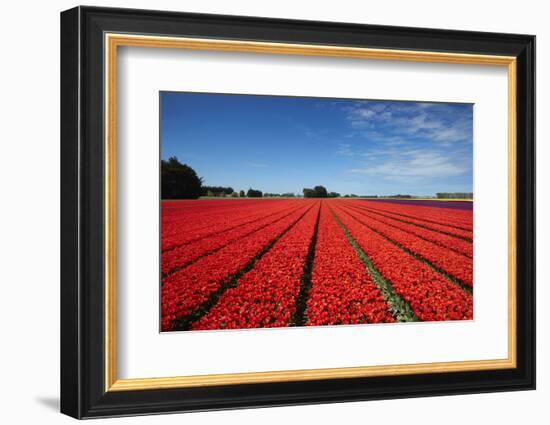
column 344, row 149
column 436, row 122
column 309, row 131
column 415, row 164
column 406, row 142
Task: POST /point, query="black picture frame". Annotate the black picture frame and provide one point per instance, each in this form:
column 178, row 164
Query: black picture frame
column 83, row 392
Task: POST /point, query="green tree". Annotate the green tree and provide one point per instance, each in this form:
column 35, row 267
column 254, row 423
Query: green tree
column 253, row 193
column 316, row 192
column 217, row 190
column 179, row 181
column 455, row 195
column 320, row 192
column 242, row 194
column 308, row 193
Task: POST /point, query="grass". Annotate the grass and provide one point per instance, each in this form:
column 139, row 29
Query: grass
column 401, row 310
column 436, row 269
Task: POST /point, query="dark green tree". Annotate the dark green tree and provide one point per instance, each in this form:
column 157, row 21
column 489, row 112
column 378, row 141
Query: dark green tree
column 217, row 190
column 455, row 195
column 308, row 193
column 241, row 194
column 320, row 192
column 253, row 193
column 179, row 181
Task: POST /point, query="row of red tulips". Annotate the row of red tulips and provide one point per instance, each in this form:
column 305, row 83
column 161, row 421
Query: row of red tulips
column 174, row 207
column 190, row 230
column 445, row 229
column 442, row 216
column 445, row 215
column 454, row 244
column 193, row 212
column 342, row 291
column 456, row 265
column 266, row 295
column 185, row 290
column 185, row 254
column 430, row 295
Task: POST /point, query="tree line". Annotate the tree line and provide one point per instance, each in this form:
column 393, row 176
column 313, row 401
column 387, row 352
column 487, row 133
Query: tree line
column 454, row 195
column 180, row 181
column 319, row 192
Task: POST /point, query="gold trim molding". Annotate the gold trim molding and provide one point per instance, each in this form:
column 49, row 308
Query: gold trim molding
column 113, row 41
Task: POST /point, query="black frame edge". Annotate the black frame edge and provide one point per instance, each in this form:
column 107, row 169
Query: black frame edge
column 82, row 345
column 526, row 210
column 70, row 382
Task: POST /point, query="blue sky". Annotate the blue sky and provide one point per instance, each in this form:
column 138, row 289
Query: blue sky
column 283, row 144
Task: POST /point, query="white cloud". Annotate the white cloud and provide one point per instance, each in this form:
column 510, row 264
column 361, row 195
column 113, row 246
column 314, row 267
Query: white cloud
column 435, row 122
column 415, row 164
column 344, row 149
column 365, row 113
column 404, row 142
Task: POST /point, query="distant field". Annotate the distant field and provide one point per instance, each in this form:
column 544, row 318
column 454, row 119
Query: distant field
column 253, row 263
column 458, row 204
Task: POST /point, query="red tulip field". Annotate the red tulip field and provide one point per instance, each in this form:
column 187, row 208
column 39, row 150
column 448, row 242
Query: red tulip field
column 259, row 263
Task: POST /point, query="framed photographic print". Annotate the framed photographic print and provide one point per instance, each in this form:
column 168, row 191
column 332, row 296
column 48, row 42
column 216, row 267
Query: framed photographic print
column 261, row 212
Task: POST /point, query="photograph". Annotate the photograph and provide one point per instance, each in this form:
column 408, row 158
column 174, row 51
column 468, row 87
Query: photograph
column 285, row 211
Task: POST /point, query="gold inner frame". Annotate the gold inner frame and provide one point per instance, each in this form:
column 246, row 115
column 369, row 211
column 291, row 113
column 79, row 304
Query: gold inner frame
column 113, row 41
